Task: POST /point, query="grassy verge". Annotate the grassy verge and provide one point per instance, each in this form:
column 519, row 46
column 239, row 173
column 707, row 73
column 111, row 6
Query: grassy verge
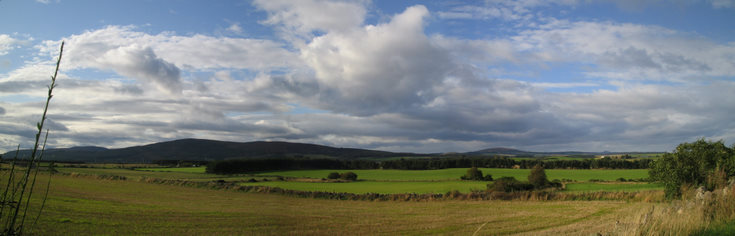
column 591, row 187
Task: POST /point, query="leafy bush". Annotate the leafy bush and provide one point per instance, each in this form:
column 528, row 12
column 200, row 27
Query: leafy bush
column 349, row 176
column 333, row 175
column 692, row 164
column 476, row 174
column 509, row 184
column 538, row 177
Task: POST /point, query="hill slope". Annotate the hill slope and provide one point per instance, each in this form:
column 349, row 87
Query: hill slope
column 204, row 150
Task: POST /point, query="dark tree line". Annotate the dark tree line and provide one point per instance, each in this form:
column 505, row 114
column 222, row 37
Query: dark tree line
column 253, row 165
column 443, row 163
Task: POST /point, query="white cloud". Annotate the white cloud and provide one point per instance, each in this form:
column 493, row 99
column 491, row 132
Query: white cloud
column 630, row 51
column 159, row 58
column 235, row 28
column 7, row 43
column 302, row 18
column 138, row 62
column 48, row 1
column 378, row 68
column 198, row 52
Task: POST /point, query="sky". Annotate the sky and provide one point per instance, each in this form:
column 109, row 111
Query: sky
column 409, row 76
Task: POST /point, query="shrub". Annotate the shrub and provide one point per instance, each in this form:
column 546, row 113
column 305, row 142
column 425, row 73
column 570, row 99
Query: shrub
column 538, row 177
column 509, row 184
column 348, row 176
column 333, row 175
column 691, row 164
column 476, row 174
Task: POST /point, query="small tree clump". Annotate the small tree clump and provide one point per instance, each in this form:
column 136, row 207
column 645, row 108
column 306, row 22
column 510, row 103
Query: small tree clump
column 538, row 177
column 700, row 163
column 333, row 175
column 509, row 184
column 349, row 176
column 476, row 174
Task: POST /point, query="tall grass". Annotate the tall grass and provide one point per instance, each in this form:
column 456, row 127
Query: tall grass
column 697, row 212
column 23, row 173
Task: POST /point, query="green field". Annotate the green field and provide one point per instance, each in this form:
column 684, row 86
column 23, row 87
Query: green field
column 455, row 173
column 413, row 175
column 89, row 206
column 389, row 181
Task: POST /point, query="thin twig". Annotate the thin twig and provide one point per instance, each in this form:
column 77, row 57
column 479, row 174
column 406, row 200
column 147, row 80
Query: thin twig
column 33, row 183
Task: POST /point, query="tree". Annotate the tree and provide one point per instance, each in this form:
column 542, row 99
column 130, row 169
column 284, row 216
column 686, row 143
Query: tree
column 692, row 164
column 333, row 175
column 349, row 176
column 476, row 174
column 509, row 184
column 538, row 177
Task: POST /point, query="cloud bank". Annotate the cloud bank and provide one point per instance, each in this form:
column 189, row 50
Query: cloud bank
column 331, row 78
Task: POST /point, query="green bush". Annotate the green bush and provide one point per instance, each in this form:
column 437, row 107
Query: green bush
column 349, row 176
column 692, row 164
column 476, row 174
column 538, row 177
column 333, row 175
column 509, row 184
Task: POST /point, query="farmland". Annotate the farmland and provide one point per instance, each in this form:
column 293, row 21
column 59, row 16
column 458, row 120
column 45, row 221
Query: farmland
column 85, row 205
column 455, row 173
column 392, row 181
column 98, row 200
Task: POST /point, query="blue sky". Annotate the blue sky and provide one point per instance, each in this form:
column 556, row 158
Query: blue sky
column 418, row 76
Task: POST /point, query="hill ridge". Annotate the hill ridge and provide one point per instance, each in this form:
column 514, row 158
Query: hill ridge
column 206, row 150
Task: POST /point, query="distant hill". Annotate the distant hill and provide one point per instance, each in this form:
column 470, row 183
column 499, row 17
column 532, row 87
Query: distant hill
column 501, row 151
column 205, row 150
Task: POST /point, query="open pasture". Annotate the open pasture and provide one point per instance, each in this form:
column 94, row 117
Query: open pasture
column 455, row 173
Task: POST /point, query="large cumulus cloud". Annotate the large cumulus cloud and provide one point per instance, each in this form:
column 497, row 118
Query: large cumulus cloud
column 379, row 68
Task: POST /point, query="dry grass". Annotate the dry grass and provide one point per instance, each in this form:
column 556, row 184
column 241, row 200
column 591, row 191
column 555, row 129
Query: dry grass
column 86, row 205
column 697, row 212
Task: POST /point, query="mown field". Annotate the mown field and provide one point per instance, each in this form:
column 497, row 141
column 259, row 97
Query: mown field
column 89, row 206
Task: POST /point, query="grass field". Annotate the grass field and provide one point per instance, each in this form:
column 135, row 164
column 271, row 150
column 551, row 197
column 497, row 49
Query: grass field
column 455, row 173
column 391, row 181
column 170, row 173
column 88, row 206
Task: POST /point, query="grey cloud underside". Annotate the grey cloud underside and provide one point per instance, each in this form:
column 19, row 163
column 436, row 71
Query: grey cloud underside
column 143, row 63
